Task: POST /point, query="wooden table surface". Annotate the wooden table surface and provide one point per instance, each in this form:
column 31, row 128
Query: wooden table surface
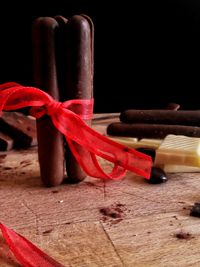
column 100, row 224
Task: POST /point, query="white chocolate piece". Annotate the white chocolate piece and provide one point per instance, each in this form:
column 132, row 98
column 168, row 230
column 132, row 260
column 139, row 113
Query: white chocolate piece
column 154, row 144
column 178, row 150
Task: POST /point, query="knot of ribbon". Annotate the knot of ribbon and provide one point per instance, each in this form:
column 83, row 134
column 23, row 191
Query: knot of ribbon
column 50, row 109
column 68, row 117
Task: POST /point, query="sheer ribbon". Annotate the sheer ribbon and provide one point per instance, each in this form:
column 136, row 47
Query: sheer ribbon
column 26, row 252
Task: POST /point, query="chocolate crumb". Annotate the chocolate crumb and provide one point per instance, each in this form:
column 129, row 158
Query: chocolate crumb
column 110, row 212
column 47, row 231
column 183, row 235
column 113, row 214
column 120, row 205
column 7, row 168
column 55, row 191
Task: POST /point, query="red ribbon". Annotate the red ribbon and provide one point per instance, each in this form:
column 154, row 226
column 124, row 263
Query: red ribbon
column 26, row 252
column 68, row 119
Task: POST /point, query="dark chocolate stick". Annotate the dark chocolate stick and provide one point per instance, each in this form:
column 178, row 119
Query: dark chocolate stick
column 78, row 76
column 50, row 140
column 181, row 117
column 142, row 130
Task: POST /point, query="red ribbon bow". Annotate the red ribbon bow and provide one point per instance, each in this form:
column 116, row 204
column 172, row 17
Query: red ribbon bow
column 68, row 119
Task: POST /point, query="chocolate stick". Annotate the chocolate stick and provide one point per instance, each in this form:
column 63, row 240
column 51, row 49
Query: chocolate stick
column 142, row 130
column 50, row 140
column 78, row 76
column 181, row 117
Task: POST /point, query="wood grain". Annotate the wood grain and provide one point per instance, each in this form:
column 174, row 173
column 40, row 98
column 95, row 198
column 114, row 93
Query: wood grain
column 96, row 223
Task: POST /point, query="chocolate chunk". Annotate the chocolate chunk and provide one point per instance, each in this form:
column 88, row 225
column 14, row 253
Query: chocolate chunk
column 157, row 176
column 144, row 130
column 171, row 117
column 50, row 140
column 6, row 143
column 195, row 211
column 77, row 75
column 183, row 235
column 20, row 128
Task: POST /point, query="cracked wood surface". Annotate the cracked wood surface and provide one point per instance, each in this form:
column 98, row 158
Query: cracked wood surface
column 100, row 224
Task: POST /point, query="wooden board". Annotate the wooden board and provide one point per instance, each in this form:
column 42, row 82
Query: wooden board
column 96, row 223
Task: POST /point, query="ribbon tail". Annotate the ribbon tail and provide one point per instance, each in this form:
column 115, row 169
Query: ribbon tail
column 93, row 144
column 89, row 163
column 26, row 252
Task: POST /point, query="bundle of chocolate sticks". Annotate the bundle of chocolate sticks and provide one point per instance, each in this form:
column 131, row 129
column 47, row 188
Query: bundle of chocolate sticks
column 156, row 123
column 62, row 67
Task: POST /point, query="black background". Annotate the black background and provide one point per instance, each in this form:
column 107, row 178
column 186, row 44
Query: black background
column 146, row 52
